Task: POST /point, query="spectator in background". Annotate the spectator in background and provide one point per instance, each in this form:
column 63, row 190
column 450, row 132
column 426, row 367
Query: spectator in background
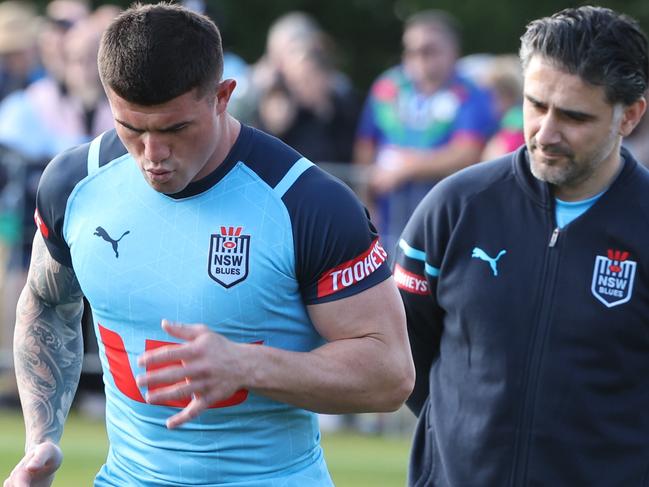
column 308, row 108
column 504, row 78
column 301, row 96
column 91, row 115
column 60, row 15
column 289, row 33
column 103, row 16
column 43, row 120
column 19, row 64
column 422, row 121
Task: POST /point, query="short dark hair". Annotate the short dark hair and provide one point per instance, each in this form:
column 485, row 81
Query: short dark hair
column 151, row 54
column 602, row 47
column 437, row 19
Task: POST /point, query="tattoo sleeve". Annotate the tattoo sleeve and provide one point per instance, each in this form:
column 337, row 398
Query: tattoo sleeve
column 48, row 345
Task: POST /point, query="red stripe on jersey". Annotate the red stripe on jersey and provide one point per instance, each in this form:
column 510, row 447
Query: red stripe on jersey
column 410, row 282
column 237, row 398
column 41, row 225
column 353, row 271
column 120, row 367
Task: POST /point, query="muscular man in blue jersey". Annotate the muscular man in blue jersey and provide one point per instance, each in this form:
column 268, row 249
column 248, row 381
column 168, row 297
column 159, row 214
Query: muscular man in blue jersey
column 265, row 273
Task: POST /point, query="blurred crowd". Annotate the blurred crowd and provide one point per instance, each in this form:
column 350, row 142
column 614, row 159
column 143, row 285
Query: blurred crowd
column 434, row 113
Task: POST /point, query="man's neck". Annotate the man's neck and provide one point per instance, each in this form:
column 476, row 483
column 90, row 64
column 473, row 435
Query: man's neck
column 229, row 132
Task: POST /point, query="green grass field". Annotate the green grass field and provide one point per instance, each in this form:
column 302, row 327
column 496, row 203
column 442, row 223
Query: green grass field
column 354, row 460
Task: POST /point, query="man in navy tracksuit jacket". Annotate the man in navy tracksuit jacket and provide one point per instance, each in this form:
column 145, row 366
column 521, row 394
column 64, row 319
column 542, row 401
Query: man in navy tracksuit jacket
column 526, row 284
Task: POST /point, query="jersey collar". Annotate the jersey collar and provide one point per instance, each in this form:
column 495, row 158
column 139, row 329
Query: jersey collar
column 237, row 153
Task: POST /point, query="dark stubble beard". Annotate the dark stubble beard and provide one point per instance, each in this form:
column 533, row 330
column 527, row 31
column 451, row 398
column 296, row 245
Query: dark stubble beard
column 569, row 171
column 566, row 171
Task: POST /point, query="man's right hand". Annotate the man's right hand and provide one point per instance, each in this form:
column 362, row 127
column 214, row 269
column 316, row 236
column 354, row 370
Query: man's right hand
column 37, row 467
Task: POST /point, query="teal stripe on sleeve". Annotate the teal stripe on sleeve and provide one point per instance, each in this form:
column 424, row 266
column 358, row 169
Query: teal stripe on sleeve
column 411, row 251
column 419, row 255
column 431, row 271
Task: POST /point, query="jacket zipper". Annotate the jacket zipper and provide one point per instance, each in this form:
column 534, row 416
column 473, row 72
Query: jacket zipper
column 554, row 237
column 537, row 345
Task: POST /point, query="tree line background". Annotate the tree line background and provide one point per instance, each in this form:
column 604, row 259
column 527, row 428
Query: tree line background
column 367, row 33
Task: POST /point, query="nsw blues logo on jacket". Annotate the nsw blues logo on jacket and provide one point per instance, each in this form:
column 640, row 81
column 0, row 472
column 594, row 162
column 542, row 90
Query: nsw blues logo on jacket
column 613, row 277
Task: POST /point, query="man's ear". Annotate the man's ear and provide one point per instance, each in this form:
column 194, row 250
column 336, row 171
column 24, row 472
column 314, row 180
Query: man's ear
column 223, row 93
column 632, row 115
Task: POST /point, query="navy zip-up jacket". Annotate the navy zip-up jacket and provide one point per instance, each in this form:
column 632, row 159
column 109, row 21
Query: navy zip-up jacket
column 531, row 342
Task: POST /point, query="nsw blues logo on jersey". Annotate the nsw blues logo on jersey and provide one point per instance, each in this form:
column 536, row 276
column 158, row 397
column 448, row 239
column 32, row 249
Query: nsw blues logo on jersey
column 229, row 256
column 613, row 277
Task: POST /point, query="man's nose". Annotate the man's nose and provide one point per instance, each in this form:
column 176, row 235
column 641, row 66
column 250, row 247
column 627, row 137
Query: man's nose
column 548, row 133
column 156, row 149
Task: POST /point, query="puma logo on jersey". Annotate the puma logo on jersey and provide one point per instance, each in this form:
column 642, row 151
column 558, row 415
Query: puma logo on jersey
column 100, row 232
column 478, row 253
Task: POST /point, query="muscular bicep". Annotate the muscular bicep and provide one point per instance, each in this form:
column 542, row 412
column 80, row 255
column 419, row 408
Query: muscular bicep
column 377, row 311
column 366, row 336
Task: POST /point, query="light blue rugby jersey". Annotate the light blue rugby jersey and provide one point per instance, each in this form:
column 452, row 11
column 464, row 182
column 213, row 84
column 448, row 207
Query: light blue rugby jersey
column 243, row 251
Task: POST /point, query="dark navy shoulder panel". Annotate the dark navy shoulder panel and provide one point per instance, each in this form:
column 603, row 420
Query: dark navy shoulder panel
column 269, row 157
column 337, row 250
column 56, row 184
column 633, row 181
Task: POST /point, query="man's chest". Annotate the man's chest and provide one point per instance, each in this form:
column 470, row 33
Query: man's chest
column 190, row 261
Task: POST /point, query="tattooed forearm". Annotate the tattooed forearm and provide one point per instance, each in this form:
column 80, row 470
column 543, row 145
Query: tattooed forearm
column 48, row 346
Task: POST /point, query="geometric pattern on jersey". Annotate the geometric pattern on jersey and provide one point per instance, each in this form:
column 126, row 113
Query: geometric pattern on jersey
column 141, row 256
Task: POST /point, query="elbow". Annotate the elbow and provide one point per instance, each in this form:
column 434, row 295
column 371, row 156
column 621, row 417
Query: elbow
column 400, row 387
column 406, row 383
